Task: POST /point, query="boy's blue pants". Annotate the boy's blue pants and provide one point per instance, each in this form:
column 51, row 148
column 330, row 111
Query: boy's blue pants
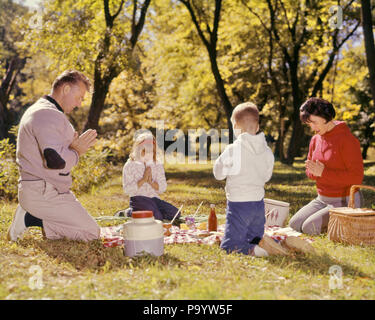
column 244, row 226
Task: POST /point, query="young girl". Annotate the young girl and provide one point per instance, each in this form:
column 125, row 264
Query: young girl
column 144, row 179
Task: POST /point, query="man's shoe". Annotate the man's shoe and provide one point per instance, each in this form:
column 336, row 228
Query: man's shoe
column 18, row 227
column 272, row 247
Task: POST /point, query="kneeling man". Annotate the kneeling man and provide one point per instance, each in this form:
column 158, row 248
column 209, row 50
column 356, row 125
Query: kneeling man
column 48, row 148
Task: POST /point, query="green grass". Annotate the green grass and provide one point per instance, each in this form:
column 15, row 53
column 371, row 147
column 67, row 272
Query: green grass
column 77, row 270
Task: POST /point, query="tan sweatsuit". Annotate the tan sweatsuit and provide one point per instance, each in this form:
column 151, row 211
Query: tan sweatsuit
column 45, row 161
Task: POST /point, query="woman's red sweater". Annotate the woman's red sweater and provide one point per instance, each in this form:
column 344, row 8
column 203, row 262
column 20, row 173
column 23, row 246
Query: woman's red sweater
column 340, row 152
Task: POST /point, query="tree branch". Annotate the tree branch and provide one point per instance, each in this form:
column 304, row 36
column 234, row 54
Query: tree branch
column 134, row 16
column 336, row 48
column 257, row 15
column 109, row 19
column 195, row 21
column 119, row 10
column 350, row 34
column 107, row 14
column 139, row 25
column 287, row 20
column 216, row 23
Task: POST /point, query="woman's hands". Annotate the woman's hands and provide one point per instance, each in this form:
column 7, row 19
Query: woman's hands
column 315, row 167
column 147, row 177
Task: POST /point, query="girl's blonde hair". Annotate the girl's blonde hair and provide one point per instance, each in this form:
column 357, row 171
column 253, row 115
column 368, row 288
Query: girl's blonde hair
column 139, row 140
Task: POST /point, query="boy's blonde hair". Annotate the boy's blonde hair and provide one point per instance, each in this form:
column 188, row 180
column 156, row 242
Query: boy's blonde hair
column 246, row 115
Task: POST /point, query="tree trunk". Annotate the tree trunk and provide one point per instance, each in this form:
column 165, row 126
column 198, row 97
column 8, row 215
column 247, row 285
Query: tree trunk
column 294, row 148
column 369, row 43
column 6, row 86
column 297, row 129
column 222, row 92
column 96, row 109
column 3, row 121
column 97, row 105
column 210, row 44
column 364, row 151
column 101, row 82
column 283, row 129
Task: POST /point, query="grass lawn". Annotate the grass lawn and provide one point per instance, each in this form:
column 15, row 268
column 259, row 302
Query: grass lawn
column 77, row 270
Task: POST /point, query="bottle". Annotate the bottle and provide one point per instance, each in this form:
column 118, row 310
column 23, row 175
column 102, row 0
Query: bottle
column 212, row 219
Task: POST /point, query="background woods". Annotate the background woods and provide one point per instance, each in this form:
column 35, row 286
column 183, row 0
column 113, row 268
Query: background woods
column 189, row 62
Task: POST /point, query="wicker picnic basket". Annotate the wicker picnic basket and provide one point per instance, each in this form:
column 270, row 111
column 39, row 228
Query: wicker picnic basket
column 352, row 225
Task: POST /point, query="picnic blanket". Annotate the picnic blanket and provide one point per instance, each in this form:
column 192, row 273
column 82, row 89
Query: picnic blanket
column 112, row 236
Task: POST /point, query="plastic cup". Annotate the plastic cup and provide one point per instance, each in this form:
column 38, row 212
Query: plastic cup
column 190, row 221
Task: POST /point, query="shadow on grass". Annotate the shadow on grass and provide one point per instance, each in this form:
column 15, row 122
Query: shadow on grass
column 190, row 174
column 93, row 256
column 204, row 178
column 288, row 178
column 316, row 264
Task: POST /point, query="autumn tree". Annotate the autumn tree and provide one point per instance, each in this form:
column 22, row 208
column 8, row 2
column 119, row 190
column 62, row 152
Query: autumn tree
column 208, row 32
column 369, row 42
column 103, row 37
column 11, row 61
column 308, row 45
column 103, row 78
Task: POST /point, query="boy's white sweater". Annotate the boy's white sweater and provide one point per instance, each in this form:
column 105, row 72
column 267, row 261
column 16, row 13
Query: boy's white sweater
column 247, row 165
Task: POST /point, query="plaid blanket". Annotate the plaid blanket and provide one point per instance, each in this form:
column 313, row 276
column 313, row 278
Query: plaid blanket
column 112, row 236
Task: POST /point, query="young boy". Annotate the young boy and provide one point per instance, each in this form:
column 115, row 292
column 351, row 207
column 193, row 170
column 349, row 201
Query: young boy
column 246, row 165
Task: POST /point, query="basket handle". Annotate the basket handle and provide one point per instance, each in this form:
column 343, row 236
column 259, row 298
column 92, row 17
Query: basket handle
column 353, row 189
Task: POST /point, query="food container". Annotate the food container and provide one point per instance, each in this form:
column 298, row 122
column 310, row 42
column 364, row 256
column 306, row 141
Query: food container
column 276, row 212
column 143, row 234
column 352, row 225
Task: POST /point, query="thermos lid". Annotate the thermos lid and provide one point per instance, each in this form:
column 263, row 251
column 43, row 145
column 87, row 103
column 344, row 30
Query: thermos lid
column 142, row 214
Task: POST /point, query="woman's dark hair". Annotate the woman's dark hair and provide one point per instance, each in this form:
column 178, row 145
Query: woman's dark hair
column 317, row 107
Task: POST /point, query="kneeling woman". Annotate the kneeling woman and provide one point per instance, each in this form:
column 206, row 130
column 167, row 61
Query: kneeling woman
column 334, row 161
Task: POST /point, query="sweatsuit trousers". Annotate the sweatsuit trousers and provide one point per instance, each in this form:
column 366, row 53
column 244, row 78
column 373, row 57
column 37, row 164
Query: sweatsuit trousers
column 244, row 226
column 62, row 214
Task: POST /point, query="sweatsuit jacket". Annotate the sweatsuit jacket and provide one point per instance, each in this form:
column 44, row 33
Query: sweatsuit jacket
column 43, row 152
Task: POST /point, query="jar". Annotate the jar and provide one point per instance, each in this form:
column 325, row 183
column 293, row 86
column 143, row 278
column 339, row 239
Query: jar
column 143, row 234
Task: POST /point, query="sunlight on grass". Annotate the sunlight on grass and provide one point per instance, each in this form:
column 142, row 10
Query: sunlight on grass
column 77, row 270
